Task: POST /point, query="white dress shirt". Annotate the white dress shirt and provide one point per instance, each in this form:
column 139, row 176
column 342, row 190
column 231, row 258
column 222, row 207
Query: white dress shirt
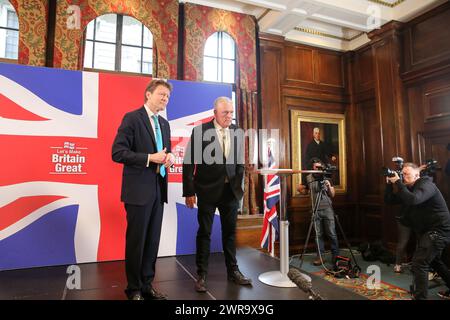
column 152, row 124
column 221, row 134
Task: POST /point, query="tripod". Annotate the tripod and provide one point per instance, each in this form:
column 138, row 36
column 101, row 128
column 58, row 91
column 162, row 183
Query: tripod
column 322, row 194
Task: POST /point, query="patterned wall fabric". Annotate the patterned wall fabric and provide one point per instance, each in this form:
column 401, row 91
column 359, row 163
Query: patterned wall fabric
column 33, row 17
column 201, row 22
column 160, row 16
column 249, row 120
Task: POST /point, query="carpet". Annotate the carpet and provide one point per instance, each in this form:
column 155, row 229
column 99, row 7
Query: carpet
column 386, row 291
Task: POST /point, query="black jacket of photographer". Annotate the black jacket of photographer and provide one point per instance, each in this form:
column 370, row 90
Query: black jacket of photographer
column 423, row 206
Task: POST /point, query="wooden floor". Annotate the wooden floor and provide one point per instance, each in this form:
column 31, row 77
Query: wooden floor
column 174, row 276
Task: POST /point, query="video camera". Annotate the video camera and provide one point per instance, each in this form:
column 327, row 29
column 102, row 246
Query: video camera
column 430, row 169
column 387, row 172
column 327, row 169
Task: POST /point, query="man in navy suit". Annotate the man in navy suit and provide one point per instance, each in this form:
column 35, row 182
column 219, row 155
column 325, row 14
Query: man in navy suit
column 142, row 144
column 213, row 170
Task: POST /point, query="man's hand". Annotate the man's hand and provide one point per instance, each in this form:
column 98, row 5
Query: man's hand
column 393, row 179
column 302, row 189
column 159, row 157
column 170, row 159
column 330, row 189
column 191, row 201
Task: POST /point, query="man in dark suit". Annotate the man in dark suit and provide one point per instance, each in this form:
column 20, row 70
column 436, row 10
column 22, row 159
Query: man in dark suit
column 319, row 149
column 213, row 171
column 142, row 144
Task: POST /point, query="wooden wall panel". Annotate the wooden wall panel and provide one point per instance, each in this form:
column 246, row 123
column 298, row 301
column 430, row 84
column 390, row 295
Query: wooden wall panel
column 373, row 223
column 329, row 69
column 437, row 103
column 426, row 40
column 313, row 68
column 372, row 151
column 364, row 70
column 299, row 64
column 271, row 87
column 424, row 35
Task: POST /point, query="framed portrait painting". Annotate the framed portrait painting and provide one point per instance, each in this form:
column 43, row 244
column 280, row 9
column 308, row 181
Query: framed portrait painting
column 317, row 135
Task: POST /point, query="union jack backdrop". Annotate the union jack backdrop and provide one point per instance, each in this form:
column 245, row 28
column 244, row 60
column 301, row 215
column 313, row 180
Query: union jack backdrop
column 59, row 189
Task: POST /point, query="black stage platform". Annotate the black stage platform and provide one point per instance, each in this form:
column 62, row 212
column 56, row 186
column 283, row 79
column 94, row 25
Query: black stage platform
column 174, row 276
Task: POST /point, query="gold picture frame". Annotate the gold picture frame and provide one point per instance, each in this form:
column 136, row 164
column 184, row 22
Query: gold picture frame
column 332, row 134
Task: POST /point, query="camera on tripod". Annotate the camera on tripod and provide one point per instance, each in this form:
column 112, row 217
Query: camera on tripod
column 327, row 169
column 387, row 172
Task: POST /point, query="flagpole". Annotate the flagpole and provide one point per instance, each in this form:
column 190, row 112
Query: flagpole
column 272, row 240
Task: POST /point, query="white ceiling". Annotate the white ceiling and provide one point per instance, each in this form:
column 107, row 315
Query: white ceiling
column 333, row 24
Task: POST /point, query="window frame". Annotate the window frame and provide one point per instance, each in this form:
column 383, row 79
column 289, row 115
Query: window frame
column 11, row 60
column 236, row 69
column 220, row 58
column 118, row 48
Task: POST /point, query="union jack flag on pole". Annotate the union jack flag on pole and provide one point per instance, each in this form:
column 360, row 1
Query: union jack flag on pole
column 272, row 192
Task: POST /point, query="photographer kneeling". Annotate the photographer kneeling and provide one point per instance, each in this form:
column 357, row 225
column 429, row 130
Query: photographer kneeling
column 325, row 213
column 427, row 214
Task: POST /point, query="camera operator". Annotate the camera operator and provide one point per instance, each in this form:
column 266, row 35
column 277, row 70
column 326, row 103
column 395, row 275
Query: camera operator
column 325, row 214
column 426, row 213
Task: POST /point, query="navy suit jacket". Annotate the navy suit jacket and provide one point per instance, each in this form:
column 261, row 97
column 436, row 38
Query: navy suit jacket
column 134, row 141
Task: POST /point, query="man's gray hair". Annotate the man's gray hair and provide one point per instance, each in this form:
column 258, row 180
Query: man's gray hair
column 220, row 100
column 316, row 129
column 411, row 165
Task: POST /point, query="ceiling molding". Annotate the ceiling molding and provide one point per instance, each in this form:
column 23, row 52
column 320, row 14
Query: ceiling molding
column 327, row 35
column 388, row 4
column 263, row 15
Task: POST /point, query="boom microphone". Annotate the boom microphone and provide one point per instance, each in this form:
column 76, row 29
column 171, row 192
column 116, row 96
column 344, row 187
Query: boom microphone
column 303, row 284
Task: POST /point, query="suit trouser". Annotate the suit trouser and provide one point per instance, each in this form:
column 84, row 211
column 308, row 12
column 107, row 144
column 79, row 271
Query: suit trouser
column 142, row 241
column 426, row 257
column 228, row 207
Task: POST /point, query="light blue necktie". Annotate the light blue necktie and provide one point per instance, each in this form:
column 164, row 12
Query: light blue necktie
column 159, row 143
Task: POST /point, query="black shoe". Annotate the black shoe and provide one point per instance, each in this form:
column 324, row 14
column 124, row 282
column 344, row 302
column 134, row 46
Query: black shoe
column 150, row 293
column 237, row 277
column 200, row 284
column 135, row 295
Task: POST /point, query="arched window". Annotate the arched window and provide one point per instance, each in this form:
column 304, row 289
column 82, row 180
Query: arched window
column 118, row 43
column 219, row 61
column 9, row 31
column 219, row 58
